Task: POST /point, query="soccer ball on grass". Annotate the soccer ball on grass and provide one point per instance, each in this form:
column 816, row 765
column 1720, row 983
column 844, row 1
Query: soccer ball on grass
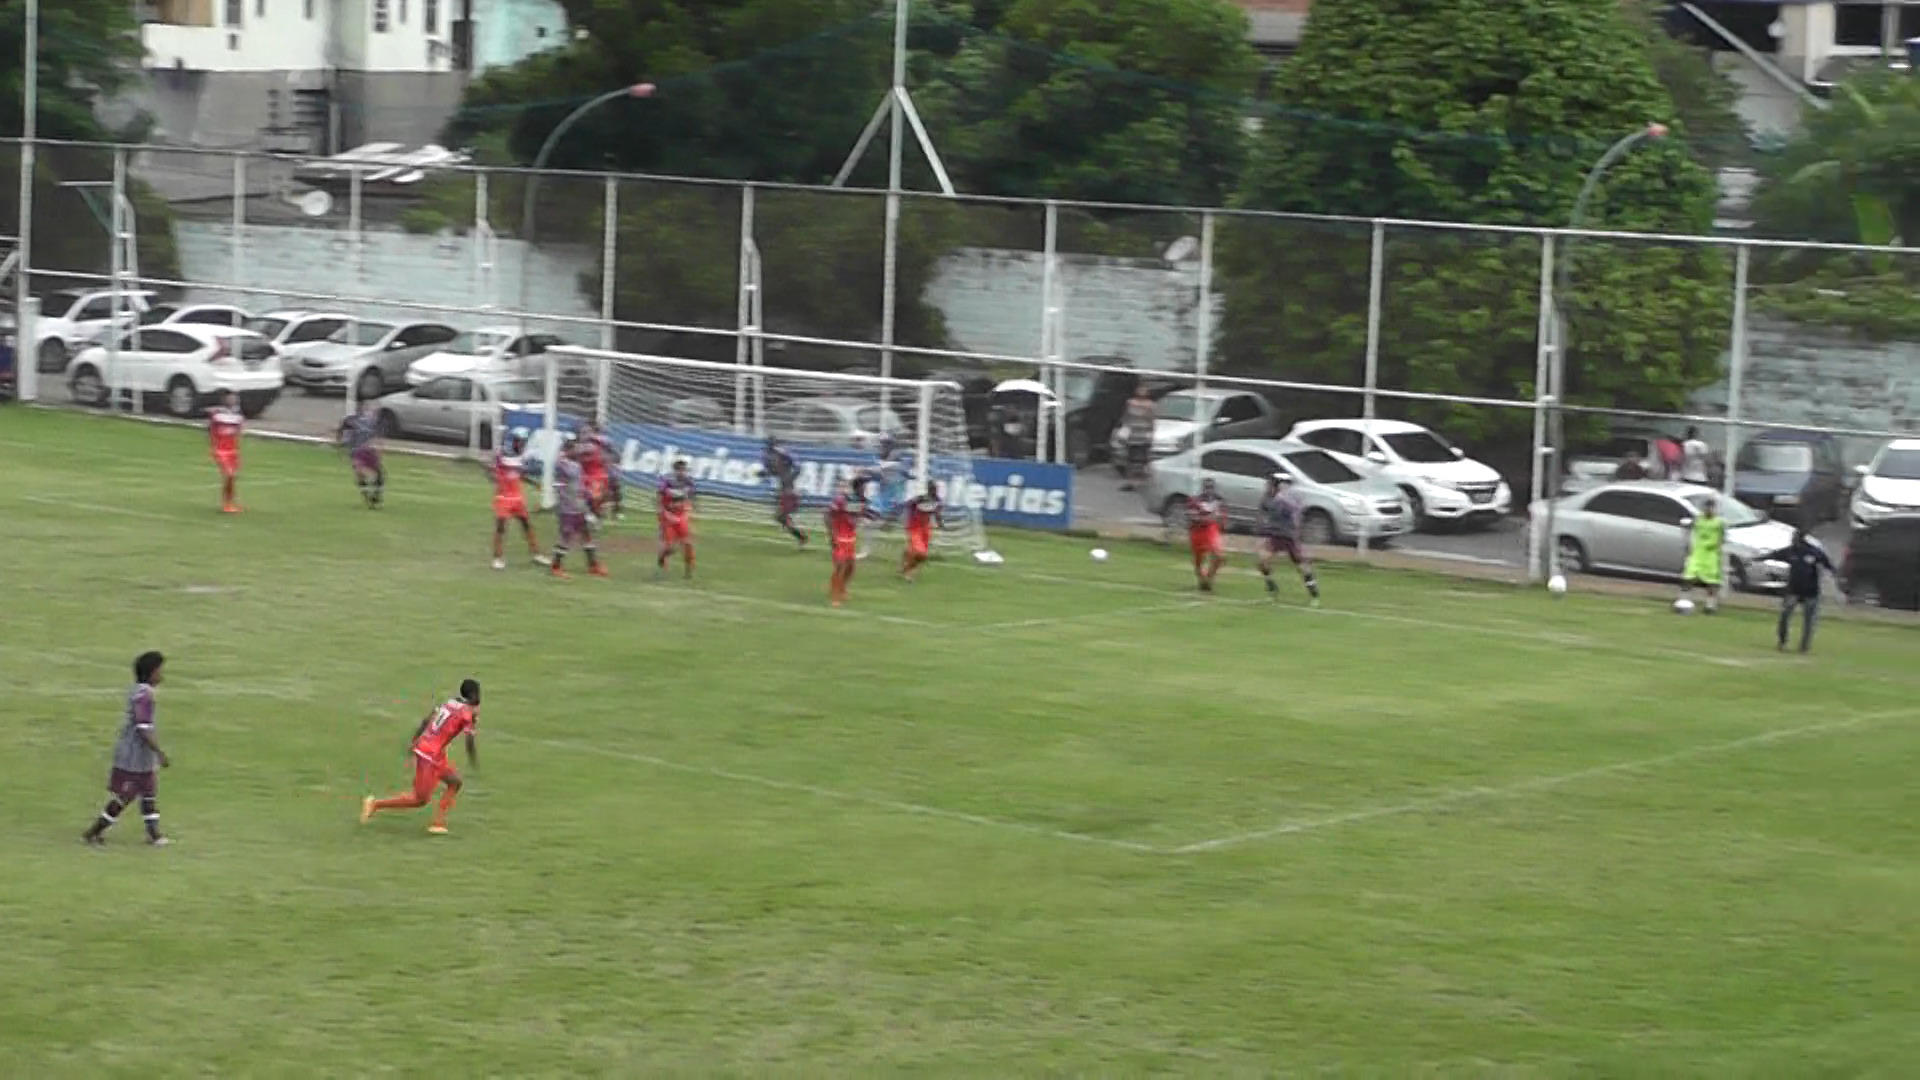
column 1099, row 554
column 1557, row 585
column 1683, row 606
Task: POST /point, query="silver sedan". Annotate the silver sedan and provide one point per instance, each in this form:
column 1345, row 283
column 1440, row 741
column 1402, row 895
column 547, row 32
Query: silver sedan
column 1340, row 504
column 456, row 408
column 1640, row 527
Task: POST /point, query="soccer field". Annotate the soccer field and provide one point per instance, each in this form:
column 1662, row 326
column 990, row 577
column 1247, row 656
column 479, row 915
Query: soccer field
column 1049, row 817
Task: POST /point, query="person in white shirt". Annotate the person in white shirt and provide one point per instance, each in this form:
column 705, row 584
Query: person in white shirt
column 1695, row 458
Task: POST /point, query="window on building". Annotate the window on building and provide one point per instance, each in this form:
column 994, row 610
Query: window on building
column 236, row 12
column 1860, row 24
column 382, row 15
column 403, row 12
column 259, row 9
column 430, row 15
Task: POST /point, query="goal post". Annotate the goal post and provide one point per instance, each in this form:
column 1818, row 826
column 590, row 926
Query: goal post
column 718, row 416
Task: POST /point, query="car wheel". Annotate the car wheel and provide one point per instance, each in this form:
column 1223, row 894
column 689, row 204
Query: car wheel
column 387, row 424
column 1173, row 513
column 86, row 387
column 1417, row 508
column 182, row 398
column 1741, row 583
column 53, row 356
column 1573, row 555
column 486, row 436
column 371, row 384
column 1316, row 527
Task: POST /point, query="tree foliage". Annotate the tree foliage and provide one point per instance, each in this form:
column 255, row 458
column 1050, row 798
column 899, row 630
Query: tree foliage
column 1475, row 111
column 1118, row 101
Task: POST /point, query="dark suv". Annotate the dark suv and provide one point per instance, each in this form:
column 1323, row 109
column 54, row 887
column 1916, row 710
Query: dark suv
column 1796, row 476
column 1883, row 563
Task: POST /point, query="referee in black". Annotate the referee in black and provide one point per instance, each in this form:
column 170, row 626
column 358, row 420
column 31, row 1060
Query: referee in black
column 1805, row 559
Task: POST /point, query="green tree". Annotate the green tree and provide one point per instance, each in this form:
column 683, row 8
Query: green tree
column 1477, row 111
column 1120, row 101
column 89, row 51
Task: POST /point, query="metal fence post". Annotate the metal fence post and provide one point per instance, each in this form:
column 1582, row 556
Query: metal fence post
column 743, row 303
column 483, row 242
column 1044, row 417
column 355, row 190
column 1376, row 293
column 237, row 263
column 26, row 358
column 1202, row 346
column 1736, row 375
column 1537, row 484
column 609, row 260
column 117, row 226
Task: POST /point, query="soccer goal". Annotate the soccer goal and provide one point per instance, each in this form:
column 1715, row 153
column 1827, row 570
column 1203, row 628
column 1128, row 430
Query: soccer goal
column 718, row 417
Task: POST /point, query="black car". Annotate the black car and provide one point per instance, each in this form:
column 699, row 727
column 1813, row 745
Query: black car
column 1883, row 563
column 1795, row 476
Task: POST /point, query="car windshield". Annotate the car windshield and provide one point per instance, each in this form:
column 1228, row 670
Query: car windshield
column 366, row 333
column 519, row 391
column 1776, row 457
column 1176, row 407
column 1898, row 464
column 1621, row 446
column 1419, row 447
column 1736, row 512
column 266, row 328
column 1320, row 467
column 476, row 343
column 156, row 315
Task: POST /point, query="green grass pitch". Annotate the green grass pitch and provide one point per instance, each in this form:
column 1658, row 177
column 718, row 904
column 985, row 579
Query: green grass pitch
column 1055, row 817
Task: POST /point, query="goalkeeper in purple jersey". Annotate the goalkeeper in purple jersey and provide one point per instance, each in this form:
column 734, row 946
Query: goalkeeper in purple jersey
column 779, row 465
column 1280, row 512
column 360, row 435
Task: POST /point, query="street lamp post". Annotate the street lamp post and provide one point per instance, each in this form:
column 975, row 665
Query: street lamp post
column 528, row 210
column 1557, row 382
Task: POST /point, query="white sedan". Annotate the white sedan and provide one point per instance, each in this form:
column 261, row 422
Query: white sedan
column 495, row 350
column 188, row 366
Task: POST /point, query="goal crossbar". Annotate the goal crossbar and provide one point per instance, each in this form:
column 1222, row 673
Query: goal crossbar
column 587, row 355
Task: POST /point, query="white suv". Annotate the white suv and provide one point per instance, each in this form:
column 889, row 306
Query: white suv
column 1440, row 481
column 1889, row 485
column 186, row 364
column 72, row 319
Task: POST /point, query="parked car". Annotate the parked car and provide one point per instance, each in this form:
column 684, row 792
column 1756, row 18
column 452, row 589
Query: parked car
column 72, row 319
column 500, row 350
column 194, row 314
column 373, row 357
column 1591, row 466
column 186, row 366
column 1640, row 527
column 1882, row 565
column 1180, row 415
column 1889, row 484
column 832, row 421
column 452, row 407
column 1340, row 504
column 1441, row 483
column 1798, row 476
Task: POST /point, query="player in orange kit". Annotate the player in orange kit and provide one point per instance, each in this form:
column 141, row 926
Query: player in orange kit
column 1206, row 513
column 595, row 450
column 509, row 500
column 430, row 765
column 223, row 435
column 843, row 526
column 676, row 518
column 923, row 516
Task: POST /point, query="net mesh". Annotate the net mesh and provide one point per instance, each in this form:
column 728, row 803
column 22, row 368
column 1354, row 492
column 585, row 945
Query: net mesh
column 718, row 417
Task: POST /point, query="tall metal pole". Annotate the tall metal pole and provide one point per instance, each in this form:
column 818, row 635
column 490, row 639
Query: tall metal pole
column 26, row 352
column 890, row 286
column 1542, row 369
column 742, row 347
column 237, row 261
column 1203, row 344
column 609, row 260
column 1047, row 330
column 1736, row 365
column 117, row 224
column 1376, row 297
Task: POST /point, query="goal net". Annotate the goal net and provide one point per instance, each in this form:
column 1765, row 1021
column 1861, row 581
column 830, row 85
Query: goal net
column 718, row 417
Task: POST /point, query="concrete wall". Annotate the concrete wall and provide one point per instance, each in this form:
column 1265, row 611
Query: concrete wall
column 508, row 31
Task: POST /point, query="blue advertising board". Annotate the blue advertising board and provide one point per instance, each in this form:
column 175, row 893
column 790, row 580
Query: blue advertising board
column 1004, row 492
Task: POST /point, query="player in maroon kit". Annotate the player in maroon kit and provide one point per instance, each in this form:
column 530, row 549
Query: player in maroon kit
column 676, row 518
column 1206, row 514
column 429, row 754
column 923, row 516
column 603, row 484
column 843, row 526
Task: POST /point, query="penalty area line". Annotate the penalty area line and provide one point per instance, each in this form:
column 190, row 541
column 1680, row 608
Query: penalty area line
column 1451, row 799
column 881, row 801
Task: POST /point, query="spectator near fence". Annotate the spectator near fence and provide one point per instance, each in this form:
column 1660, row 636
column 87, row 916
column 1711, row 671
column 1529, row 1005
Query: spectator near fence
column 1670, row 456
column 1696, row 459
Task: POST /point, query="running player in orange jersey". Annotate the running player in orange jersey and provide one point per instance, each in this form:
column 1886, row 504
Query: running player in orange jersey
column 430, row 765
column 223, row 434
column 676, row 518
column 923, row 516
column 603, row 487
column 843, row 526
column 509, row 500
column 1205, row 515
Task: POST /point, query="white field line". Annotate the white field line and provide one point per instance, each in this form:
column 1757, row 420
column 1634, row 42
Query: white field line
column 1540, row 783
column 829, row 793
